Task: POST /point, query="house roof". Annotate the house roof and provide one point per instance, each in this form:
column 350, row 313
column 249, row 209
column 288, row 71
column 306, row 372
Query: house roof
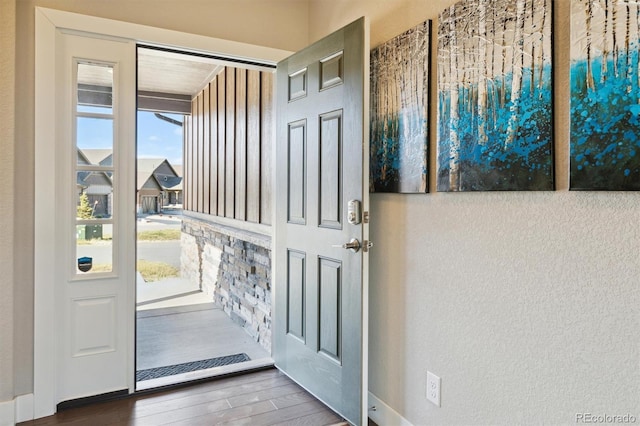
column 178, row 168
column 82, row 159
column 147, row 181
column 87, row 179
column 150, row 165
column 169, row 182
column 102, row 157
column 149, row 168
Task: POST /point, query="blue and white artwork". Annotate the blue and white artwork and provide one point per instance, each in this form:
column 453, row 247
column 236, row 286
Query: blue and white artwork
column 399, row 112
column 605, row 95
column 495, row 115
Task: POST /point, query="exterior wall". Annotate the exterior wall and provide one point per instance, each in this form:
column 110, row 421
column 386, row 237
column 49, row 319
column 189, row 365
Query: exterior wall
column 233, row 266
column 526, row 304
column 227, row 147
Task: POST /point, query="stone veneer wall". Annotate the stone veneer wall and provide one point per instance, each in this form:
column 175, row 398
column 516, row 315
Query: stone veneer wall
column 234, row 267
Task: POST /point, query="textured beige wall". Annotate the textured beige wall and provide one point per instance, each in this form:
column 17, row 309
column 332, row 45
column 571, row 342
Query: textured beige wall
column 279, row 24
column 7, row 132
column 525, row 304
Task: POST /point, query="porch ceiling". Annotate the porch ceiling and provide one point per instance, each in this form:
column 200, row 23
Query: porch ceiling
column 176, row 73
column 160, row 72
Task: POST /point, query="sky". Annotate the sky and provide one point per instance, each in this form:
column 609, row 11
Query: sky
column 156, row 138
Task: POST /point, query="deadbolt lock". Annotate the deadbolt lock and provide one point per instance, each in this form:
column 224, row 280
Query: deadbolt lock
column 354, row 212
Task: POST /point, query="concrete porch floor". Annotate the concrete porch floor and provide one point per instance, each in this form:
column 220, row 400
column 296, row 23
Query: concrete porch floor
column 178, row 323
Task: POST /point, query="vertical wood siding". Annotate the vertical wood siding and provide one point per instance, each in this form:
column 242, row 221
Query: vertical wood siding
column 222, row 156
column 213, row 153
column 198, row 156
column 230, row 164
column 227, row 147
column 206, row 156
column 186, row 143
column 266, row 130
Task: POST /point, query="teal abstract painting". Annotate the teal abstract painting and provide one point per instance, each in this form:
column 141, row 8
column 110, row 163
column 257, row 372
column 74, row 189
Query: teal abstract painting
column 399, row 112
column 495, row 92
column 605, row 95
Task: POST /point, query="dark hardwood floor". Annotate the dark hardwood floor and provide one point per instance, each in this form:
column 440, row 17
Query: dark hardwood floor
column 261, row 398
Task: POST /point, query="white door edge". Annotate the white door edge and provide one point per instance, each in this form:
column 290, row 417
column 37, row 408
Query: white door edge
column 47, row 22
column 365, row 226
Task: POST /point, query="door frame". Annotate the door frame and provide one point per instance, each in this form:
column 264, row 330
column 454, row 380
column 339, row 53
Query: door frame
column 47, row 22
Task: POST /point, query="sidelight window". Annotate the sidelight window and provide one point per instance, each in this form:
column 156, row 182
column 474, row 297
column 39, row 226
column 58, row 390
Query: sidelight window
column 95, row 180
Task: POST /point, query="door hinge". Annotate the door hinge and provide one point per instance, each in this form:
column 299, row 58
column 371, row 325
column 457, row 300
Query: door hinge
column 365, row 217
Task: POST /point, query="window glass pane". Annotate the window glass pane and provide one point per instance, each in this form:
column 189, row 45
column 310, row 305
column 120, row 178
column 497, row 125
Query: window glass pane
column 94, row 195
column 94, row 133
column 94, row 109
column 95, row 87
column 94, row 248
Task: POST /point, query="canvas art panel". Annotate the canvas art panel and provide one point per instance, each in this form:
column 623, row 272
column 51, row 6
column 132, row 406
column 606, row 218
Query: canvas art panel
column 399, row 112
column 605, row 95
column 495, row 115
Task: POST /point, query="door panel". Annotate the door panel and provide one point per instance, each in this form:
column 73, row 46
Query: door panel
column 330, row 169
column 297, row 166
column 95, row 213
column 101, row 337
column 320, row 287
column 296, row 280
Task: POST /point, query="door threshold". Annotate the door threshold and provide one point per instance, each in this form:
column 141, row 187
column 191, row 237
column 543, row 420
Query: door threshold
column 207, row 373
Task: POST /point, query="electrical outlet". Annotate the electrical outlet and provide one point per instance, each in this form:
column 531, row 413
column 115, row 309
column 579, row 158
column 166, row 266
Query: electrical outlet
column 433, row 388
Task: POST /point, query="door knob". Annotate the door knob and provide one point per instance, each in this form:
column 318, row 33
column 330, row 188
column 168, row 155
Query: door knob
column 353, row 245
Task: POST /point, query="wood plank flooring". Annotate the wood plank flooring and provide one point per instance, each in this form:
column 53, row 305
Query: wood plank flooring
column 261, row 398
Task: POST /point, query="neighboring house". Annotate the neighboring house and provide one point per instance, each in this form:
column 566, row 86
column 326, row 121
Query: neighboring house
column 159, row 185
column 97, row 185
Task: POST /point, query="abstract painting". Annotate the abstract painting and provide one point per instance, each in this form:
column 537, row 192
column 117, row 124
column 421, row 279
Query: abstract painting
column 399, row 112
column 495, row 115
column 605, row 95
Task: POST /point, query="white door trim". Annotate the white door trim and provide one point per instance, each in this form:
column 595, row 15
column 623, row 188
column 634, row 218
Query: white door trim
column 162, row 37
column 47, row 21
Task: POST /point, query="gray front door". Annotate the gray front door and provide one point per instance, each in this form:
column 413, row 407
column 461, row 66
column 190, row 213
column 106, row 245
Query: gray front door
column 321, row 154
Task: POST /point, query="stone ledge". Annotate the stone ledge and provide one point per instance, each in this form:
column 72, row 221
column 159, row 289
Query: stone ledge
column 249, row 235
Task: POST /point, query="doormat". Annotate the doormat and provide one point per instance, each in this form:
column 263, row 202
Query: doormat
column 186, row 367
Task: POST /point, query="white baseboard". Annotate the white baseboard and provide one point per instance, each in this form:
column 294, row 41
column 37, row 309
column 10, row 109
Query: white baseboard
column 384, row 415
column 7, row 413
column 24, row 408
column 17, row 410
